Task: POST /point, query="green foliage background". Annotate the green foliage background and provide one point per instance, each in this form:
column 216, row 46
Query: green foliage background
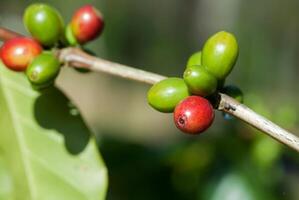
column 146, row 156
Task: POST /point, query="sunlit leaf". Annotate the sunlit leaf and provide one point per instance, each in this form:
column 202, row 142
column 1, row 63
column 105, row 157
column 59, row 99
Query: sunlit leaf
column 46, row 147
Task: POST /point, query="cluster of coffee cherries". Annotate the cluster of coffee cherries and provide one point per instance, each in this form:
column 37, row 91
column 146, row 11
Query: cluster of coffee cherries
column 205, row 75
column 35, row 55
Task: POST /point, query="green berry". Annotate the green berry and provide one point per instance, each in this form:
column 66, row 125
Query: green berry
column 234, row 92
column 219, row 54
column 166, row 94
column 43, row 70
column 195, row 59
column 200, row 81
column 44, row 23
column 71, row 39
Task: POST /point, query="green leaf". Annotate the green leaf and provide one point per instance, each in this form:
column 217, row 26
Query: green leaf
column 6, row 190
column 45, row 145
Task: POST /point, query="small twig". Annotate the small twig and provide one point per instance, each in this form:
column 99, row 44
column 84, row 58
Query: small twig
column 231, row 106
column 77, row 58
column 6, row 34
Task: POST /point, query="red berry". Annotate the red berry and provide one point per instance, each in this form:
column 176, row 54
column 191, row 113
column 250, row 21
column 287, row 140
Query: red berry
column 17, row 53
column 87, row 23
column 193, row 115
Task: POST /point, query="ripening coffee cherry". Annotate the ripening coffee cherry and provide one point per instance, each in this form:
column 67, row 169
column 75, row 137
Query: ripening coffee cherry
column 43, row 70
column 234, row 92
column 18, row 52
column 219, row 54
column 44, row 23
column 200, row 81
column 87, row 24
column 195, row 59
column 166, row 94
column 193, row 115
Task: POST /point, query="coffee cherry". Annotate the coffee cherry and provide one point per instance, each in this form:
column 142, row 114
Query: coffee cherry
column 195, row 59
column 200, row 81
column 44, row 23
column 219, row 54
column 71, row 39
column 193, row 115
column 43, row 70
column 166, row 94
column 234, row 92
column 18, row 52
column 87, row 24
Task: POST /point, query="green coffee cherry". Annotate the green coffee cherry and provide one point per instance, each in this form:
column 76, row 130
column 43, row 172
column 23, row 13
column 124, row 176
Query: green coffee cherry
column 166, row 94
column 43, row 70
column 200, row 81
column 219, row 54
column 234, row 92
column 71, row 40
column 44, row 23
column 195, row 59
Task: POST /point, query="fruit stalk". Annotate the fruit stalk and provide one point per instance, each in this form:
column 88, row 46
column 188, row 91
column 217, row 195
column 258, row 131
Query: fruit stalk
column 6, row 34
column 75, row 57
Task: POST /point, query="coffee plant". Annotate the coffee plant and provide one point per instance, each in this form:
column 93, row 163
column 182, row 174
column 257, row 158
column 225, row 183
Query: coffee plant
column 46, row 146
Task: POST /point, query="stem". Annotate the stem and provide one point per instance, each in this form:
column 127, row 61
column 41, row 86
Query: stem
column 6, row 34
column 75, row 57
column 231, row 106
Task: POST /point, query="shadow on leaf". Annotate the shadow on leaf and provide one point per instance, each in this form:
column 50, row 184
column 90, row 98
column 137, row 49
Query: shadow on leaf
column 53, row 110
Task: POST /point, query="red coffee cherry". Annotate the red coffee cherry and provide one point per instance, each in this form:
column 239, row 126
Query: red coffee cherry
column 87, row 24
column 193, row 115
column 17, row 53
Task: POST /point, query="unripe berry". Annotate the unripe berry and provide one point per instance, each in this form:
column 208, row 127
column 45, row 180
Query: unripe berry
column 69, row 35
column 193, row 115
column 44, row 23
column 219, row 54
column 87, row 24
column 43, row 70
column 200, row 81
column 195, row 59
column 18, row 52
column 166, row 94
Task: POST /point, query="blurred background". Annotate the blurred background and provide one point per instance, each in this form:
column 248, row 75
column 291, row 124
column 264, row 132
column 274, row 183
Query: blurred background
column 147, row 157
